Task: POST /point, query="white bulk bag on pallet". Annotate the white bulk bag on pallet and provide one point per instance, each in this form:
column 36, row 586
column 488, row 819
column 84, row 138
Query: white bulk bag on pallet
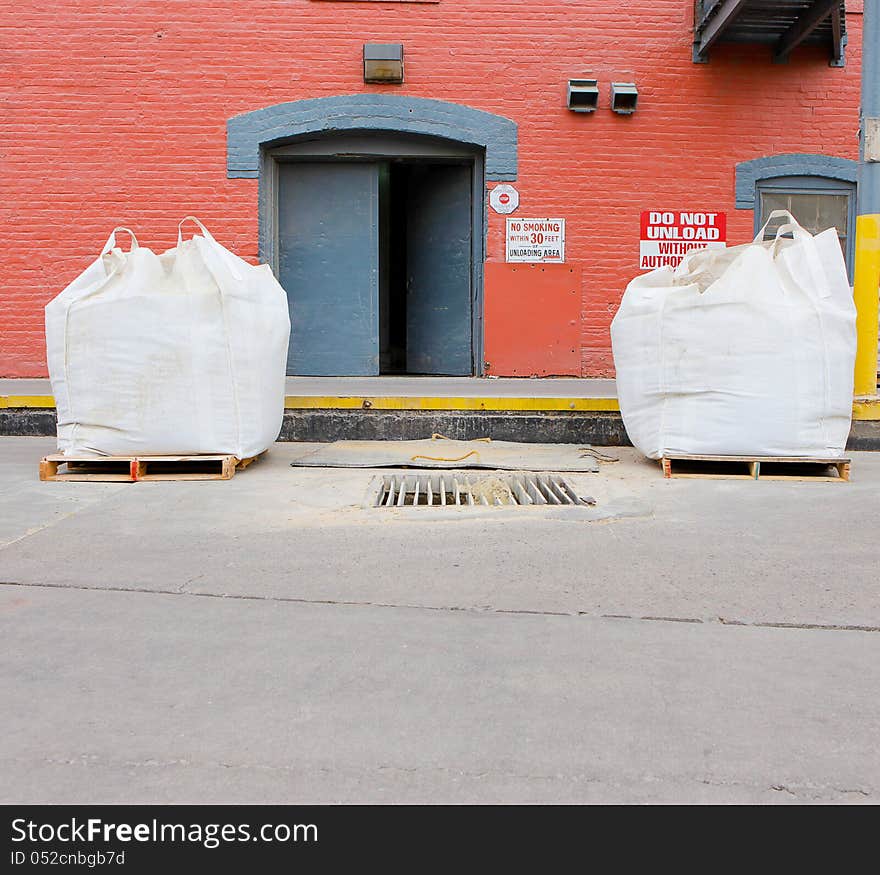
column 744, row 351
column 179, row 353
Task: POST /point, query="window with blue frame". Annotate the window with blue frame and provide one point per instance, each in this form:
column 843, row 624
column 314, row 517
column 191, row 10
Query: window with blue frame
column 816, row 202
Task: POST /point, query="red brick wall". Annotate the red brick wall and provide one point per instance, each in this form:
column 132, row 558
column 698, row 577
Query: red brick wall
column 115, row 113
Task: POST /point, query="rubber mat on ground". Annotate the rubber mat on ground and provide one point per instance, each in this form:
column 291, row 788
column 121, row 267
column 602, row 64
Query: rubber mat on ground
column 441, row 452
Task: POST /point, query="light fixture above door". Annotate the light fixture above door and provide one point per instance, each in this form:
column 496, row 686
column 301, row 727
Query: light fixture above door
column 383, row 63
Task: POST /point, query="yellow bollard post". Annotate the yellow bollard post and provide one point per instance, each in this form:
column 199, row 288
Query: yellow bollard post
column 865, row 293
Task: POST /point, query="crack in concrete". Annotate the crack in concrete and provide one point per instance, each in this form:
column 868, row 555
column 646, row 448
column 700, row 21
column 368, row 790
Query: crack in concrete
column 467, row 609
column 812, row 791
column 182, row 589
column 824, row 627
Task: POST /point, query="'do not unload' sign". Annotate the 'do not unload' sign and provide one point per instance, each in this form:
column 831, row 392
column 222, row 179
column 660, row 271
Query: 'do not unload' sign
column 536, row 240
column 667, row 236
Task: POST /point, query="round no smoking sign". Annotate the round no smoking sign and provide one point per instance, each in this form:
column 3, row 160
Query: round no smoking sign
column 504, row 199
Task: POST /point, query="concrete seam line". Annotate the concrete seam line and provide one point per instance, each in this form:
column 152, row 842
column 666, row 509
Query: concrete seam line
column 722, row 621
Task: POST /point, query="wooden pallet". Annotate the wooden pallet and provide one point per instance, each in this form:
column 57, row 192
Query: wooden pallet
column 756, row 467
column 129, row 469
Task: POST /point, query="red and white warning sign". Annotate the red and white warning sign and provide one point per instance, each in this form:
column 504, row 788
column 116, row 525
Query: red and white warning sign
column 504, row 199
column 666, row 236
column 537, row 240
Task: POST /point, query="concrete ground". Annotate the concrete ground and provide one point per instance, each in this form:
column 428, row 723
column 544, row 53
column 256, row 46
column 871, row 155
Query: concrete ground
column 270, row 639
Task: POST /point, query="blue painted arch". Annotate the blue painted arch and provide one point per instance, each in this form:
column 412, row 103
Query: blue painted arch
column 750, row 173
column 251, row 132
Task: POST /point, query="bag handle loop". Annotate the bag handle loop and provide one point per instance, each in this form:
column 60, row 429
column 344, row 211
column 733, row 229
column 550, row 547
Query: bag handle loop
column 791, row 226
column 202, row 228
column 111, row 240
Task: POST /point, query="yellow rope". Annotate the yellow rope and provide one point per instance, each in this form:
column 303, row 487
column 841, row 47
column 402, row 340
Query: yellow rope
column 440, row 459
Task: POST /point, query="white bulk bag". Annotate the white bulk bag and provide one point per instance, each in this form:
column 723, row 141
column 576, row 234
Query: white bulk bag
column 744, row 351
column 179, row 353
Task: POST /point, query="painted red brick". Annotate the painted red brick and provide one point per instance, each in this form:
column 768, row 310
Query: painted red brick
column 115, row 113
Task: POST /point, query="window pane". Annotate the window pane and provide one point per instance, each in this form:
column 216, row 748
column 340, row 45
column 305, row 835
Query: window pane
column 832, row 212
column 815, row 212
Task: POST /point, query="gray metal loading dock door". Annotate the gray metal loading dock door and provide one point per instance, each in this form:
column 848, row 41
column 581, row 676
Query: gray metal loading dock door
column 377, row 255
column 438, row 284
column 329, row 265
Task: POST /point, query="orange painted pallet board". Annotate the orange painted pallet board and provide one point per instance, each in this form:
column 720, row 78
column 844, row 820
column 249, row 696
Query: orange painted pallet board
column 130, row 469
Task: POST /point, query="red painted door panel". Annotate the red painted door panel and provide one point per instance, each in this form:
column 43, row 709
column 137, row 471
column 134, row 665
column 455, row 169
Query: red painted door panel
column 532, row 318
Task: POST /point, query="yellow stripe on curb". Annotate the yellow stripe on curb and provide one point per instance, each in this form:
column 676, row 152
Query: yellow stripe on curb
column 384, row 402
column 863, row 408
column 376, row 402
column 26, row 401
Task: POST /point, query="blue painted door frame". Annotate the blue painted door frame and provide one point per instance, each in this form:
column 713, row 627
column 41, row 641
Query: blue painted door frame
column 366, row 149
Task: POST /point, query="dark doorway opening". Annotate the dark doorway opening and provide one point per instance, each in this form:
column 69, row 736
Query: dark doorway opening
column 393, row 194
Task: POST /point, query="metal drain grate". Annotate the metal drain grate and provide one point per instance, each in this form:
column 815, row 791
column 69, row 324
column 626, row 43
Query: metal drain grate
column 457, row 489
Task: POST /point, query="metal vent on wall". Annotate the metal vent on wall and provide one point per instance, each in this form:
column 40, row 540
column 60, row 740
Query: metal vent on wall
column 458, row 489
